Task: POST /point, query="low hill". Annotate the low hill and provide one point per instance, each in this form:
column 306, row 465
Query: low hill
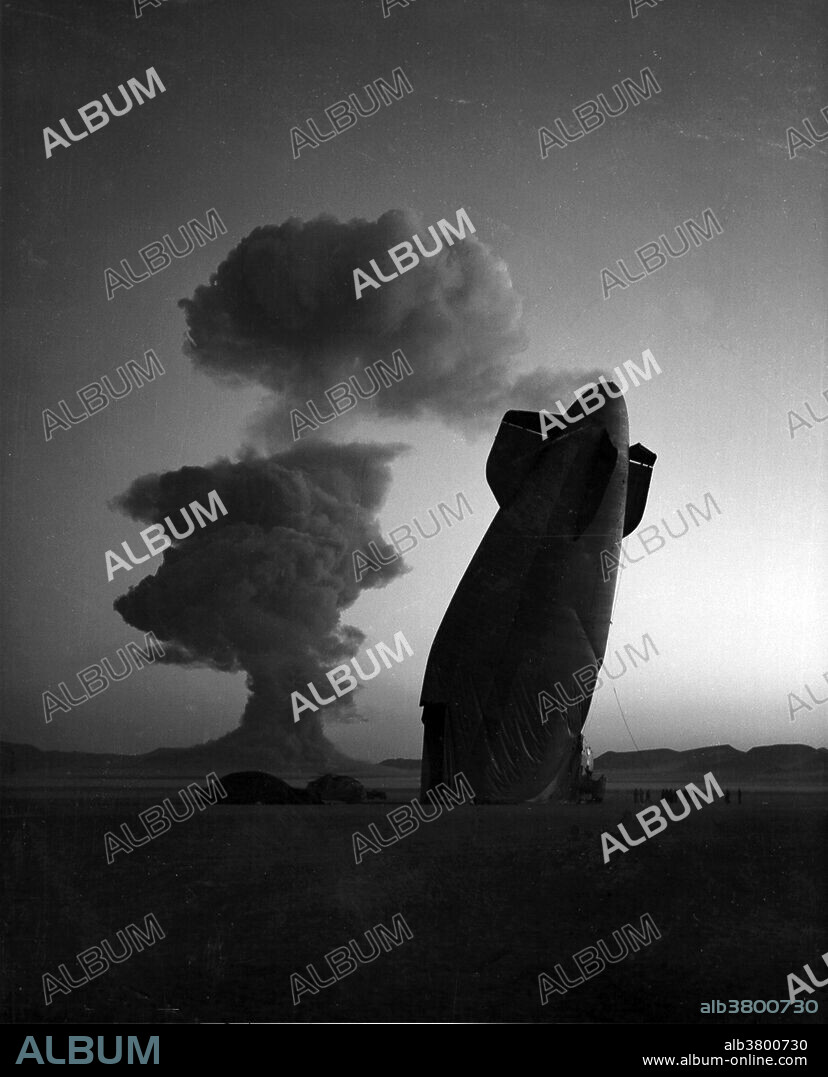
column 23, row 759
column 769, row 764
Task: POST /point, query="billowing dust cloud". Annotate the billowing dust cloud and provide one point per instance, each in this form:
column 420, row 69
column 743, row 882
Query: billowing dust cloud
column 262, row 589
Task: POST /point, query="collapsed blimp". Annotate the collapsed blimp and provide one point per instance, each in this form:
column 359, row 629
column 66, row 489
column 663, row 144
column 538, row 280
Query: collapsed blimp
column 533, row 608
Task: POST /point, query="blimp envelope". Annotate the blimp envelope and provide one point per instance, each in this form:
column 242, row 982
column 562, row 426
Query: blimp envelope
column 533, row 607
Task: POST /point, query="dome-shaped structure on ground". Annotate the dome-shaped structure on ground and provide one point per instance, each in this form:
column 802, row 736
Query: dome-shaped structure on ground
column 338, row 787
column 258, row 787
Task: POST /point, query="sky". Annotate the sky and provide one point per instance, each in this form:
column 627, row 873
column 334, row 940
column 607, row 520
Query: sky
column 737, row 326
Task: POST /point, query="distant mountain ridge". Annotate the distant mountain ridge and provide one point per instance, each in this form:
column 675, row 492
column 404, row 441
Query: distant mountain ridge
column 772, row 763
column 782, row 763
column 199, row 760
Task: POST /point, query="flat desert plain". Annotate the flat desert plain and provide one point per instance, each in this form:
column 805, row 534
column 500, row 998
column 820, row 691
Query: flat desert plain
column 247, row 895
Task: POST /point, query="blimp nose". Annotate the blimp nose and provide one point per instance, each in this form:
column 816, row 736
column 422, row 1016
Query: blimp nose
column 597, row 411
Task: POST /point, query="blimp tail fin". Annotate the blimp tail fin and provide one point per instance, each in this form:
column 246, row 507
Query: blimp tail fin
column 638, row 485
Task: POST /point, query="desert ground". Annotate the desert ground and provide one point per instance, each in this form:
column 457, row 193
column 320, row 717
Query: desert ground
column 493, row 895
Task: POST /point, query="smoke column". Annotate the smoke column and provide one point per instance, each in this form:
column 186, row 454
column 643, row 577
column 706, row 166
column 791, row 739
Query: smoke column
column 262, row 589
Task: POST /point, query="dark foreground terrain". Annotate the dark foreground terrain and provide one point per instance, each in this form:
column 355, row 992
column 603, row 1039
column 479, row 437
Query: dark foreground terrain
column 493, row 896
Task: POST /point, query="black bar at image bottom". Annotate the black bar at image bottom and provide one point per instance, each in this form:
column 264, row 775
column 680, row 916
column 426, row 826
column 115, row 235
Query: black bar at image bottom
column 638, row 1048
